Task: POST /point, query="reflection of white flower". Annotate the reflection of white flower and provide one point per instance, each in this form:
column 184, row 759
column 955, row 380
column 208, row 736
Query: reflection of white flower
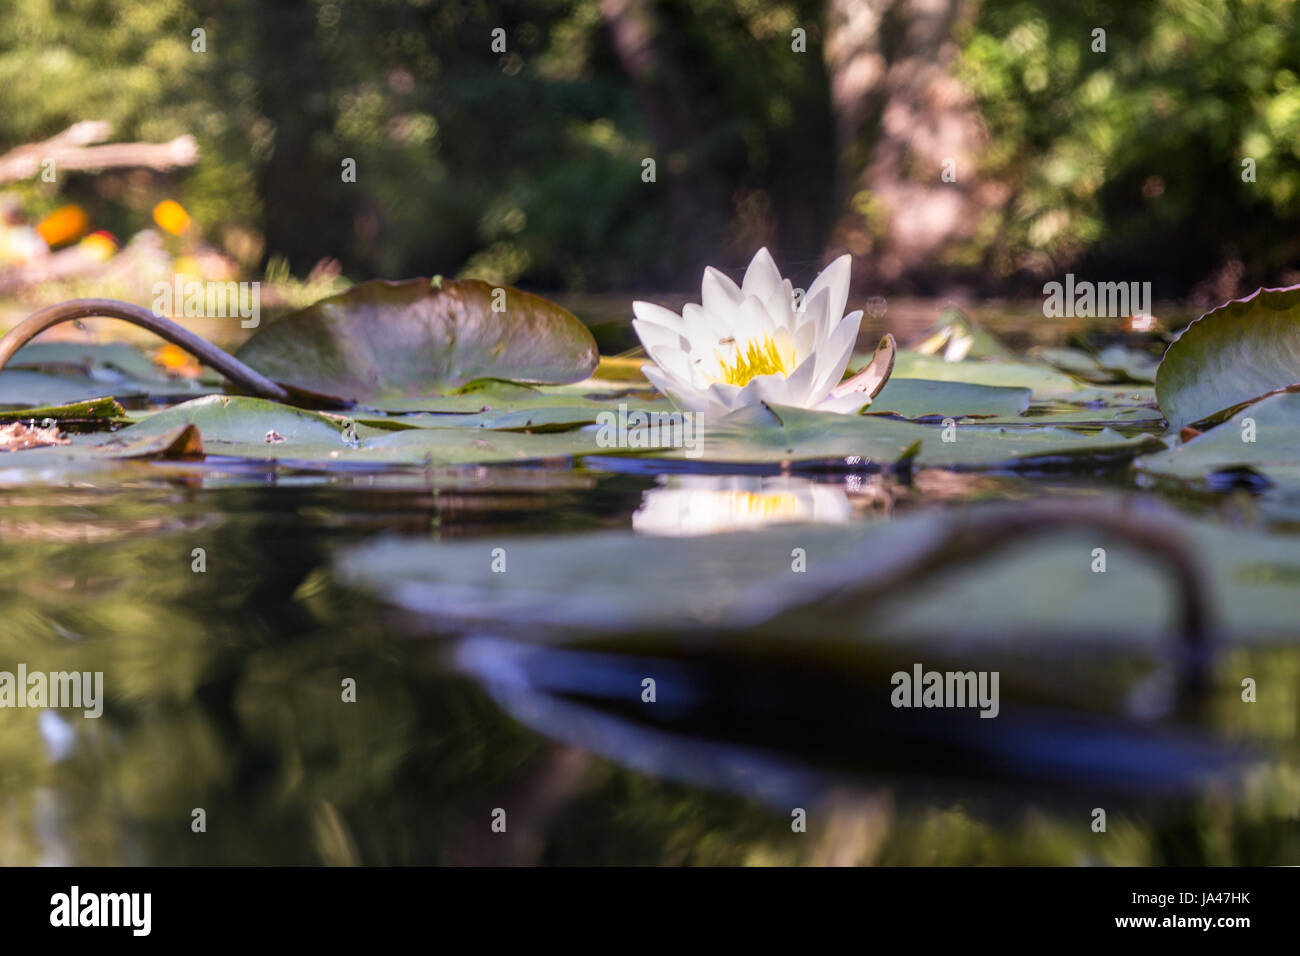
column 707, row 504
column 754, row 342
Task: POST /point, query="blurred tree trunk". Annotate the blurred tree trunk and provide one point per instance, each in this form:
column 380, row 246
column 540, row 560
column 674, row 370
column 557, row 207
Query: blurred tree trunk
column 308, row 211
column 661, row 74
column 900, row 115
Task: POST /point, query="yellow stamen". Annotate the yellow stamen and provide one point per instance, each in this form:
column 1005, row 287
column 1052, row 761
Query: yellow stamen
column 758, row 358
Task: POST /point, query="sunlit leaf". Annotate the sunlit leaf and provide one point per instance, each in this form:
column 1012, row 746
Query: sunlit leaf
column 1232, row 355
column 389, row 339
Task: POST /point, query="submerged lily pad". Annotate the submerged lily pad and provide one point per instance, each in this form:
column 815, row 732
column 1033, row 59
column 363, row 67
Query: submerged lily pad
column 575, row 585
column 390, row 339
column 1232, row 355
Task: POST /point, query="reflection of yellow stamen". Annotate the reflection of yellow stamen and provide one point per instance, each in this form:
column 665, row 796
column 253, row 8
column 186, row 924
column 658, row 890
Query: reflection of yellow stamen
column 758, row 358
column 764, row 506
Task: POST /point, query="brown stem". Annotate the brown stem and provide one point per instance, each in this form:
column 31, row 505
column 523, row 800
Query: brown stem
column 251, row 381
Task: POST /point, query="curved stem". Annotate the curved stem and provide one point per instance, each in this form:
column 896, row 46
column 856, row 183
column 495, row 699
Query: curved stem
column 250, row 380
column 975, row 538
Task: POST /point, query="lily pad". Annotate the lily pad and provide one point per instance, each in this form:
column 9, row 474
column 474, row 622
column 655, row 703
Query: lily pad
column 1115, row 363
column 502, row 405
column 1045, row 381
column 176, row 441
column 1084, row 417
column 257, row 429
column 1262, row 439
column 103, row 409
column 391, row 339
column 1232, row 355
column 227, row 418
column 100, row 360
column 778, row 436
column 63, row 373
column 914, row 398
column 575, row 585
column 1046, row 448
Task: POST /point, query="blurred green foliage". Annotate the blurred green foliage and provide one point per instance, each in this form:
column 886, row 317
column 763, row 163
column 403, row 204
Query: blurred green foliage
column 1132, row 158
column 517, row 165
column 525, row 165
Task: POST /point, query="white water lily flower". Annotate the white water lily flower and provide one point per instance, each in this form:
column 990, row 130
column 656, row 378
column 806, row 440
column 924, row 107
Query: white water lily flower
column 754, row 343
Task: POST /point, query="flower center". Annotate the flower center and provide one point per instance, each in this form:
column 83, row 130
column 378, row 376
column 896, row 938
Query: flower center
column 757, row 358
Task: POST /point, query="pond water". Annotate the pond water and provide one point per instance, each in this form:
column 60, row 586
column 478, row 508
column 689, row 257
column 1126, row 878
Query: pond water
column 208, row 596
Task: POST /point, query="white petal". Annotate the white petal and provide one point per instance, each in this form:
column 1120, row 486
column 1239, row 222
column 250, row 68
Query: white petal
column 675, row 363
column 685, row 397
column 773, row 389
column 812, row 324
column 649, row 312
column 801, row 382
column 706, row 327
column 752, row 393
column 718, row 293
column 762, row 277
column 835, row 279
column 849, row 404
column 780, row 307
column 755, row 322
column 805, row 340
column 833, row 357
column 653, row 335
column 726, row 395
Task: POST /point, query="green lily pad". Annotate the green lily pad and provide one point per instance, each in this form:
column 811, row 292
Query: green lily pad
column 105, row 409
column 257, row 429
column 91, row 358
column 1115, row 363
column 502, row 405
column 914, row 398
column 64, row 373
column 776, row 435
column 570, row 587
column 229, row 418
column 1045, row 448
column 1045, row 381
column 392, row 339
column 1079, row 416
column 1262, row 439
column 176, row 441
column 1232, row 355
column 1028, row 590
